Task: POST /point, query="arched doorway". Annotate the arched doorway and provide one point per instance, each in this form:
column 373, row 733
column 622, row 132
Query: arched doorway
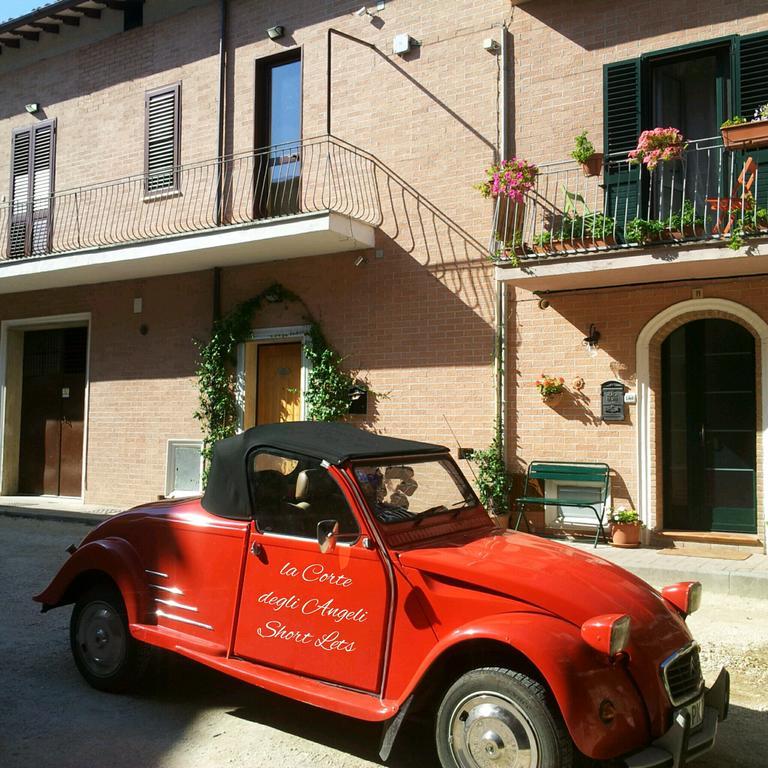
column 709, row 422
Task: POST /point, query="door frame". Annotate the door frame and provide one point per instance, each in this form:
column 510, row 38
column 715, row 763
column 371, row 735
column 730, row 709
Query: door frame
column 648, row 504
column 285, row 334
column 80, row 319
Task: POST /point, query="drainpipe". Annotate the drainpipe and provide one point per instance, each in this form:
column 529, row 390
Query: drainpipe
column 220, row 109
column 501, row 290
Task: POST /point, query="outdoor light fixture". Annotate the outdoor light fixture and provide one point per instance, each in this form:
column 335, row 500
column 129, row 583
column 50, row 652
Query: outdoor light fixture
column 359, row 260
column 403, row 43
column 592, row 341
column 276, row 32
column 32, row 107
column 363, row 12
column 491, row 45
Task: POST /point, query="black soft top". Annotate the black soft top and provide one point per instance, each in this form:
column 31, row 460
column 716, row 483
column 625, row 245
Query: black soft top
column 227, row 491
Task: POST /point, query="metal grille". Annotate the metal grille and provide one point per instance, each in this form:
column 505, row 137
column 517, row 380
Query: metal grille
column 682, row 675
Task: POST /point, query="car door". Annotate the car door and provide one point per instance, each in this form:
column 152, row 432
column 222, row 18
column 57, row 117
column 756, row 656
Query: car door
column 318, row 614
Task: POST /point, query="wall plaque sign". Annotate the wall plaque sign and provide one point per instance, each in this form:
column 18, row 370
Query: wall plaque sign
column 612, row 401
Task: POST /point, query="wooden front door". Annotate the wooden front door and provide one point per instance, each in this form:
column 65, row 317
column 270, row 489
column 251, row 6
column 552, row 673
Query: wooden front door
column 53, row 412
column 278, row 383
column 709, row 427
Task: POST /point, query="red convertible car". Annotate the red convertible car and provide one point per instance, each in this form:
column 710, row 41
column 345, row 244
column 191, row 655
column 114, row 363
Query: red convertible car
column 360, row 573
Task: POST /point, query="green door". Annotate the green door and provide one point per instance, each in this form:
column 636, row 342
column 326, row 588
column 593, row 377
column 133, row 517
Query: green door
column 709, row 427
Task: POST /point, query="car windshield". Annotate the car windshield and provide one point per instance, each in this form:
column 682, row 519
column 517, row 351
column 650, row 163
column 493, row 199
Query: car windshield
column 402, row 491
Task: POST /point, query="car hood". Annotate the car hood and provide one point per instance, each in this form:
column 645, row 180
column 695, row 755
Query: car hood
column 559, row 579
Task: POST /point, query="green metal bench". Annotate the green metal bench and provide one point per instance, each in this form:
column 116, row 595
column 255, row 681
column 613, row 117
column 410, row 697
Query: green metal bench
column 563, row 472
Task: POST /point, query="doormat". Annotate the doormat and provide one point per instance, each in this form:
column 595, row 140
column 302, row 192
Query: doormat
column 713, row 554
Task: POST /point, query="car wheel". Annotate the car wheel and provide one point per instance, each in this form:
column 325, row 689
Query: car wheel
column 104, row 651
column 497, row 718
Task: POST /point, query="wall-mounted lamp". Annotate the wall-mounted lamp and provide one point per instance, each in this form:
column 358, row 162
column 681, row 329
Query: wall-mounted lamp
column 592, row 341
column 491, row 45
column 276, row 32
column 363, row 11
column 32, row 108
column 403, row 44
column 359, row 260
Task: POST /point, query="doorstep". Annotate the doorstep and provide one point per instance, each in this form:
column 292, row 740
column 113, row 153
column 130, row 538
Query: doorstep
column 743, row 578
column 56, row 508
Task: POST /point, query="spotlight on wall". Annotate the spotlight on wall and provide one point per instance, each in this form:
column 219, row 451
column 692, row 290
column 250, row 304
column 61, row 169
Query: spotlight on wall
column 362, row 12
column 359, row 260
column 32, row 108
column 592, row 341
column 276, row 32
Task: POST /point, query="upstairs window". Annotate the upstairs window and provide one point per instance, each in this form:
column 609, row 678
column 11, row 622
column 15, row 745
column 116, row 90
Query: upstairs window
column 163, row 139
column 32, row 166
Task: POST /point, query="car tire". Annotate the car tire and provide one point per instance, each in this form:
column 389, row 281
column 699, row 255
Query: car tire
column 105, row 653
column 495, row 716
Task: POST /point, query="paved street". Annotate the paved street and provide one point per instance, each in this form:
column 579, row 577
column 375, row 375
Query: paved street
column 192, row 717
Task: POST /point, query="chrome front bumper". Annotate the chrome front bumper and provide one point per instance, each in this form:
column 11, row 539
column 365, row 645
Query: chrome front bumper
column 679, row 745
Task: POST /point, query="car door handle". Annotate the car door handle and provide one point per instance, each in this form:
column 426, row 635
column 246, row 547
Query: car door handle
column 257, row 549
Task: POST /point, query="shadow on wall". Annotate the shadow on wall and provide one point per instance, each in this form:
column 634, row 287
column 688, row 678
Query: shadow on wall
column 606, row 24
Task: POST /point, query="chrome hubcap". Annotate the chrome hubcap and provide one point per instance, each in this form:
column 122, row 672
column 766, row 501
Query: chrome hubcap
column 488, row 730
column 101, row 638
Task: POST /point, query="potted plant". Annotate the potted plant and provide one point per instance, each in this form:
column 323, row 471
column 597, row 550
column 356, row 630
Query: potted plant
column 511, row 249
column 684, row 223
column 551, row 389
column 509, row 181
column 599, row 230
column 494, row 483
column 740, row 133
column 542, row 242
column 656, row 146
column 584, row 153
column 641, row 231
column 625, row 528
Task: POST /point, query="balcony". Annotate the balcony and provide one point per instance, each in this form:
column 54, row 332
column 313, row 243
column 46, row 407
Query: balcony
column 629, row 225
column 301, row 199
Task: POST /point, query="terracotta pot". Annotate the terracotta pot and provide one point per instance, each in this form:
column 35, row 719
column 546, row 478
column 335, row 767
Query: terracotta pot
column 593, row 166
column 502, row 521
column 607, row 241
column 626, row 535
column 746, row 135
column 552, row 400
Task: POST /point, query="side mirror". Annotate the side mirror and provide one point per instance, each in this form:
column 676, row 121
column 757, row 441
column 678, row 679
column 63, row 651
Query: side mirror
column 327, row 535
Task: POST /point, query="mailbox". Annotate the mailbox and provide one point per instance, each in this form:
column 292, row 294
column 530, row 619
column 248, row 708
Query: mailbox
column 612, row 401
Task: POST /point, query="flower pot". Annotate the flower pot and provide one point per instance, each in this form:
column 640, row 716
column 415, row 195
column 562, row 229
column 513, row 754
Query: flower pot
column 606, row 241
column 746, row 135
column 502, row 521
column 594, row 165
column 626, row 535
column 552, row 400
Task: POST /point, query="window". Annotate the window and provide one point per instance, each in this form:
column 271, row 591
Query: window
column 32, row 170
column 693, row 88
column 292, row 494
column 163, row 139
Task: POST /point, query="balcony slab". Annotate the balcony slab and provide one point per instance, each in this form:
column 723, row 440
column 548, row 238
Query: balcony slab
column 292, row 237
column 637, row 265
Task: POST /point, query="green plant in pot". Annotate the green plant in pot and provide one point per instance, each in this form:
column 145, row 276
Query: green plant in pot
column 542, row 242
column 584, row 153
column 599, row 229
column 685, row 222
column 494, row 483
column 625, row 528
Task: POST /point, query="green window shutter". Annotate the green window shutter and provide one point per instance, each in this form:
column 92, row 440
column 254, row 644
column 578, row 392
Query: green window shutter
column 621, row 118
column 751, row 92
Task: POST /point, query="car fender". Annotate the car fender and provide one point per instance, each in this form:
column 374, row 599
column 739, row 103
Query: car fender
column 115, row 558
column 579, row 678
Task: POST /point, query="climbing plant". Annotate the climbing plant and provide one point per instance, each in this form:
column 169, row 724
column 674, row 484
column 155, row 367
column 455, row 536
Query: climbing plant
column 493, row 480
column 327, row 393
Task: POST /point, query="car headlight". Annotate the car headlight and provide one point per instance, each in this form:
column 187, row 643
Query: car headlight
column 685, row 596
column 608, row 633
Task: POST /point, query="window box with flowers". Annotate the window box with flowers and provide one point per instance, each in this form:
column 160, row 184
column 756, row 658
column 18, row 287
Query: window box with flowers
column 508, row 182
column 656, row 146
column 740, row 133
column 551, row 389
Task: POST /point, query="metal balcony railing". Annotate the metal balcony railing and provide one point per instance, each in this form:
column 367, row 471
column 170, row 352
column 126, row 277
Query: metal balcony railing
column 709, row 194
column 313, row 175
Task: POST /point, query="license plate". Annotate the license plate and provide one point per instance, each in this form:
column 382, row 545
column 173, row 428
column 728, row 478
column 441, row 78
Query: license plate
column 695, row 711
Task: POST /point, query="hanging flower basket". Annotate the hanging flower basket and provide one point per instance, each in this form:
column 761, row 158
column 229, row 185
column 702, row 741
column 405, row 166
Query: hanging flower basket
column 656, row 146
column 551, row 389
column 552, row 400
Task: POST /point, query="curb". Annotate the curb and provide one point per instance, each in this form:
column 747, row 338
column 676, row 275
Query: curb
column 734, row 583
column 59, row 516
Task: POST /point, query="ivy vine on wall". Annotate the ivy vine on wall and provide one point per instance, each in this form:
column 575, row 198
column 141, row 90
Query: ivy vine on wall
column 328, row 385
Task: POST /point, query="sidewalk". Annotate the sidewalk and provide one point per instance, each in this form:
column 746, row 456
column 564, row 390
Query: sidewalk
column 50, row 508
column 743, row 578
